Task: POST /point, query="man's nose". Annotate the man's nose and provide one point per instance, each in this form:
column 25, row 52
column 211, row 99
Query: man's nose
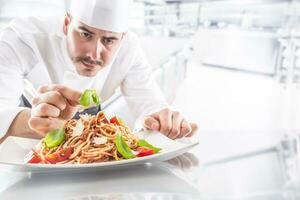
column 96, row 50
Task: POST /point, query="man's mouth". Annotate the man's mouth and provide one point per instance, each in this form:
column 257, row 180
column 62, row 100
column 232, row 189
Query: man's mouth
column 88, row 64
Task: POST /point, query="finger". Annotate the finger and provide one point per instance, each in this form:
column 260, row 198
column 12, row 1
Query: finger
column 151, row 123
column 186, row 129
column 176, row 125
column 43, row 125
column 194, row 129
column 71, row 97
column 70, row 94
column 39, row 124
column 69, row 112
column 165, row 120
column 52, row 97
column 186, row 162
column 194, row 160
column 45, row 110
column 175, row 162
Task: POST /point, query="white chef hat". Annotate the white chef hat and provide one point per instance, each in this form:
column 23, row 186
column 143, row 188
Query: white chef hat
column 109, row 15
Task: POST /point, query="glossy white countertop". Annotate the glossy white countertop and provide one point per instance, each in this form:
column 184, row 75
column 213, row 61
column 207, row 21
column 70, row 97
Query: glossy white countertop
column 257, row 174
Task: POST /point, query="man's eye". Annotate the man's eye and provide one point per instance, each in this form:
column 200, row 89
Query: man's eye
column 108, row 41
column 85, row 35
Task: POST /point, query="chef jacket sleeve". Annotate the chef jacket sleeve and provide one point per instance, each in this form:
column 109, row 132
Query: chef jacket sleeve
column 11, row 85
column 140, row 89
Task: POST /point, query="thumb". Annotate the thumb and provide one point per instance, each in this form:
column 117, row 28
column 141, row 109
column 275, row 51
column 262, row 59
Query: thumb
column 194, row 127
column 151, row 123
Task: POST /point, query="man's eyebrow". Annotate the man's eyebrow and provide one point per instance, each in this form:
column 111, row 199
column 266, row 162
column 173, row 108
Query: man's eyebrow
column 110, row 37
column 85, row 29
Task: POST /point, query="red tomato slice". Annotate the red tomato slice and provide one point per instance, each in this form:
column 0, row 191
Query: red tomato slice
column 60, row 156
column 33, row 157
column 114, row 120
column 52, row 158
column 64, row 154
column 144, row 151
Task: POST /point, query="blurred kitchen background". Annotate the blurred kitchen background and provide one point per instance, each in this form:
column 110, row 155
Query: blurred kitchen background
column 228, row 65
column 232, row 66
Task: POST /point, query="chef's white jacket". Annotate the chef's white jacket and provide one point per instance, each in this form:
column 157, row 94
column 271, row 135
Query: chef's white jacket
column 33, row 52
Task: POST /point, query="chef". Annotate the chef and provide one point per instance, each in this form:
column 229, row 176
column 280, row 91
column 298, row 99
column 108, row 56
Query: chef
column 48, row 62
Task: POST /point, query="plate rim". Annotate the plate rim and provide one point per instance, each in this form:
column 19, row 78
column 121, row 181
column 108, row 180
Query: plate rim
column 151, row 159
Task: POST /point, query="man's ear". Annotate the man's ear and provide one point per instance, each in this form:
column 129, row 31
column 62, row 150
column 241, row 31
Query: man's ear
column 67, row 21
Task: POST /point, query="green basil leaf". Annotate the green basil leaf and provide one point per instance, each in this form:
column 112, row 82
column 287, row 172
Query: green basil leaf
column 144, row 143
column 122, row 147
column 89, row 98
column 96, row 98
column 55, row 137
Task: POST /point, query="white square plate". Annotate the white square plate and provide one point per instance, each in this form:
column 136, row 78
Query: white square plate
column 14, row 149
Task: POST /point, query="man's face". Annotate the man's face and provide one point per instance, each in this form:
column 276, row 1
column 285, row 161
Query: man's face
column 90, row 49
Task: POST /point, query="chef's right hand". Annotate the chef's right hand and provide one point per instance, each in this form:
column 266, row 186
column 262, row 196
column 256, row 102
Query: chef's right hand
column 52, row 107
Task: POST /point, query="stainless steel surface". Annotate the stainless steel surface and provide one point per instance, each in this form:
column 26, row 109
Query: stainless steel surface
column 244, row 50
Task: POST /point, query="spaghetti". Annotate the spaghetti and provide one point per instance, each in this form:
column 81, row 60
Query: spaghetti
column 92, row 139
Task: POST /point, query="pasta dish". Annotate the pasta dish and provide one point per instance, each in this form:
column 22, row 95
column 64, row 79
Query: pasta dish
column 90, row 139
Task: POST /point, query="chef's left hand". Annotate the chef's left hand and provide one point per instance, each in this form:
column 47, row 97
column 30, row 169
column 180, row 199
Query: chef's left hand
column 170, row 123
